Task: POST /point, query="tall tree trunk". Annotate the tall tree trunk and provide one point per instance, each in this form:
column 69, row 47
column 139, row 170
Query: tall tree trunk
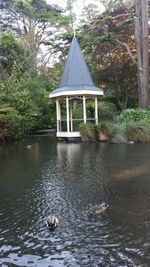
column 141, row 37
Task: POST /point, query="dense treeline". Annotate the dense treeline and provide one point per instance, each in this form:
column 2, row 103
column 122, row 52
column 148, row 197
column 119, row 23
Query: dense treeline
column 33, row 33
column 27, row 27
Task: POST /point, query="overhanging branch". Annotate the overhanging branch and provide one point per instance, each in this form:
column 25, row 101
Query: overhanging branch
column 128, row 50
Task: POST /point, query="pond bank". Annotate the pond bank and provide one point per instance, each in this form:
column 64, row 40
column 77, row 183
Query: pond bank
column 43, row 132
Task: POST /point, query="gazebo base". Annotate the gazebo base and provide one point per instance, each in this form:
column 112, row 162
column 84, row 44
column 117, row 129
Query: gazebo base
column 69, row 136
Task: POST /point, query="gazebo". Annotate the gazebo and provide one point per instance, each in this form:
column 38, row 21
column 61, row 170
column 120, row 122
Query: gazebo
column 76, row 85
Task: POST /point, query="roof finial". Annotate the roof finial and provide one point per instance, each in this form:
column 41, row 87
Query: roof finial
column 74, row 31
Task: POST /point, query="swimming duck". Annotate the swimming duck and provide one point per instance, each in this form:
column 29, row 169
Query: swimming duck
column 28, row 146
column 98, row 209
column 52, row 222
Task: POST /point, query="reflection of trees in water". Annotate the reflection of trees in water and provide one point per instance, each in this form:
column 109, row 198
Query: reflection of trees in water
column 133, row 172
column 126, row 161
column 35, row 151
column 19, row 167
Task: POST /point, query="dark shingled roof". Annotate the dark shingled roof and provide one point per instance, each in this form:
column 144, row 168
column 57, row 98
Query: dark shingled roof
column 75, row 71
column 76, row 75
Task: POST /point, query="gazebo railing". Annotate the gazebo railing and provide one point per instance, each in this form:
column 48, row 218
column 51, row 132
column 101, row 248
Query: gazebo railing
column 73, row 124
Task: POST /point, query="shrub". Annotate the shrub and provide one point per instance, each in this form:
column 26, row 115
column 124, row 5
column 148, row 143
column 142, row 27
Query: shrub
column 87, row 131
column 135, row 115
column 119, row 138
column 15, row 126
column 138, row 132
column 106, row 110
column 117, row 133
column 106, row 128
column 114, row 132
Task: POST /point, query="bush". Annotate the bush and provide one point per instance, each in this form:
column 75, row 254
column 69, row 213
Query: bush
column 87, row 131
column 14, row 125
column 106, row 110
column 135, row 115
column 106, row 128
column 138, row 132
column 119, row 138
column 117, row 133
column 114, row 132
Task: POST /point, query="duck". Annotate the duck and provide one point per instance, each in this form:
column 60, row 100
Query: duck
column 99, row 208
column 52, row 222
column 28, row 146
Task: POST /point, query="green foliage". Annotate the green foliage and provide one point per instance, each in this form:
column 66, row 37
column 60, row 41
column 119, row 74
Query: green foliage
column 5, row 109
column 112, row 131
column 36, row 24
column 78, row 111
column 104, row 43
column 88, row 131
column 12, row 55
column 24, row 79
column 106, row 128
column 138, row 132
column 106, row 110
column 122, row 133
column 118, row 134
column 37, row 9
column 119, row 139
column 135, row 115
column 12, row 124
column 24, row 105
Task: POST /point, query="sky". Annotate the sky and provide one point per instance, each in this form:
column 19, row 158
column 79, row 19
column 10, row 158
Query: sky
column 78, row 5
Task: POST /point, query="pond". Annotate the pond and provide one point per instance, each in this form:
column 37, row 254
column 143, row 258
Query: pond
column 66, row 180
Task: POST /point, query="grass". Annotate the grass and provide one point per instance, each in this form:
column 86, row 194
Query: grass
column 87, row 131
column 139, row 132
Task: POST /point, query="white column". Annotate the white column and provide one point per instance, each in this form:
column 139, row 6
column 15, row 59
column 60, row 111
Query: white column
column 96, row 111
column 57, row 114
column 84, row 109
column 67, row 110
column 71, row 118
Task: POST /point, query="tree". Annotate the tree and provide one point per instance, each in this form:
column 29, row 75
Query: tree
column 11, row 54
column 35, row 22
column 141, row 37
column 138, row 10
column 71, row 14
column 115, row 30
column 89, row 12
column 109, row 47
column 24, row 102
column 120, row 83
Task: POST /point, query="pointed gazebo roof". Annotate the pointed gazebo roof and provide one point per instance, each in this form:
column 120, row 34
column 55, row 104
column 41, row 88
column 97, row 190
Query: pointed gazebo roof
column 76, row 78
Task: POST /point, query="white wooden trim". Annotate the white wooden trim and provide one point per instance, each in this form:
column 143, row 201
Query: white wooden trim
column 84, row 109
column 71, row 121
column 68, row 134
column 67, row 110
column 96, row 111
column 76, row 93
column 57, row 114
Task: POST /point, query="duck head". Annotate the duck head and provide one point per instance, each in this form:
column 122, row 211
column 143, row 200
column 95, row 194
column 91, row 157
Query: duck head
column 104, row 205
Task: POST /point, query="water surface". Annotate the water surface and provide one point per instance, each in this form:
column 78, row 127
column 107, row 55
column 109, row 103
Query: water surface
column 66, row 180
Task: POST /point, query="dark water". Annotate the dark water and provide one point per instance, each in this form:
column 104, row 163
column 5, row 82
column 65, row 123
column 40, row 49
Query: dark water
column 66, row 179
